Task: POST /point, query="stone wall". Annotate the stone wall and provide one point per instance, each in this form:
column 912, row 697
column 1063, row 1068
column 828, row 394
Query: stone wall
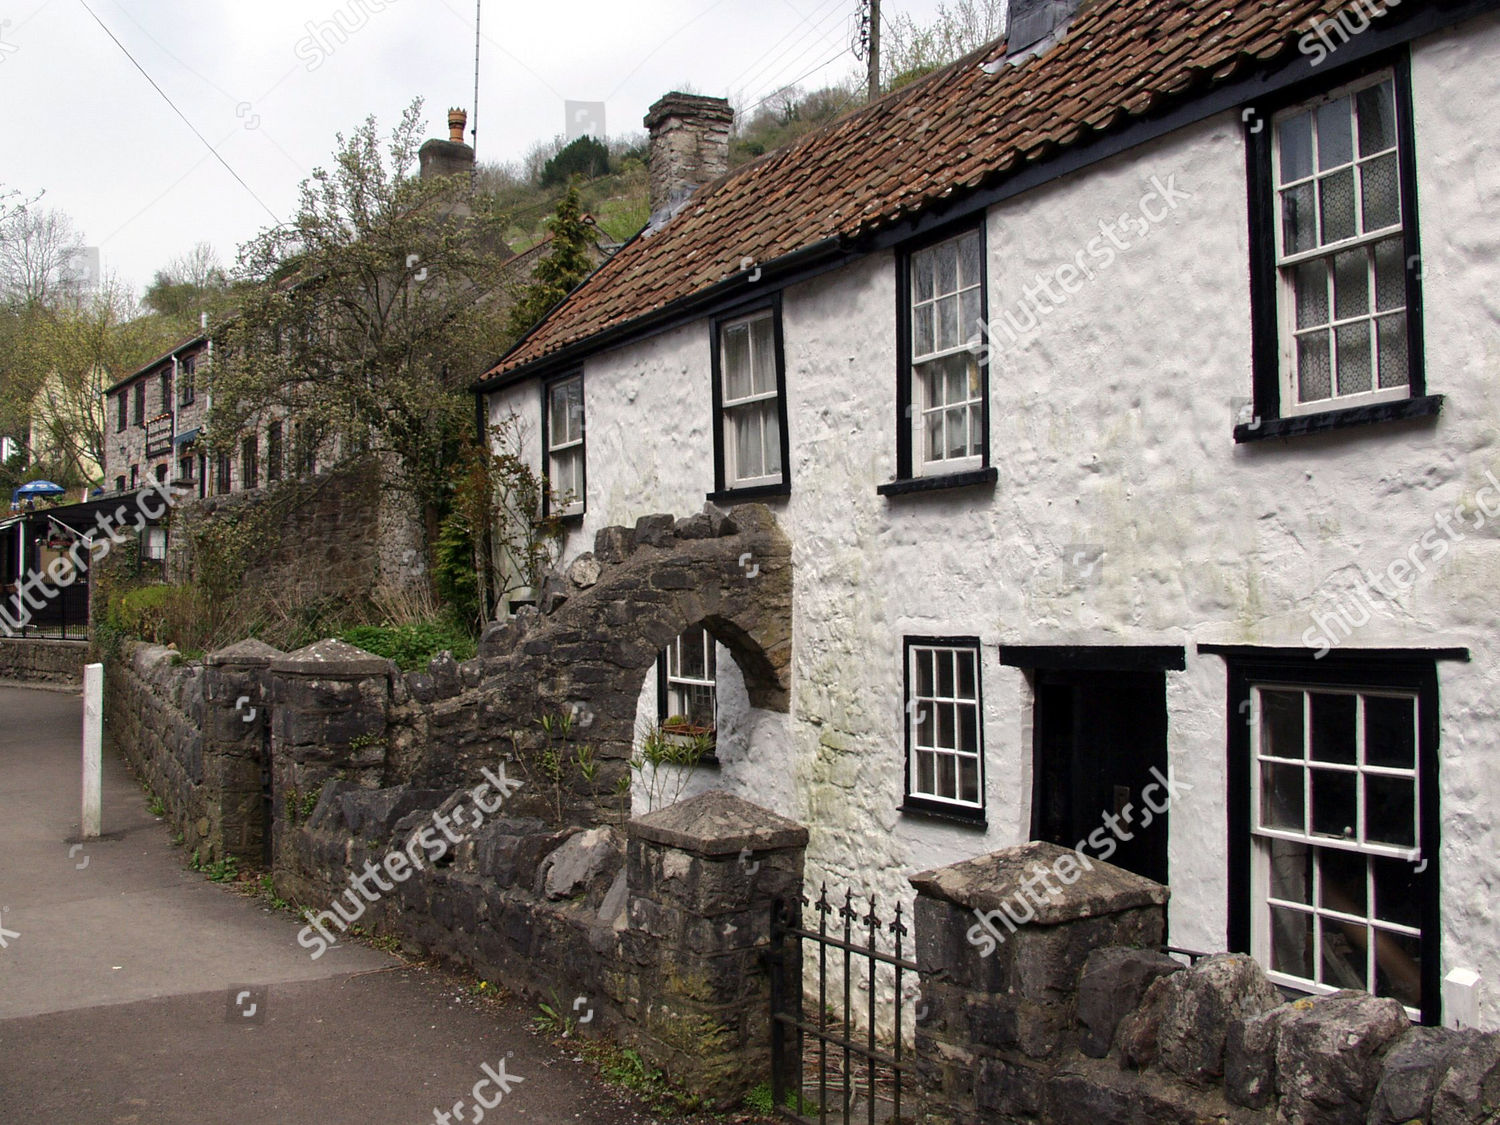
column 42, row 661
column 321, row 534
column 1078, row 1016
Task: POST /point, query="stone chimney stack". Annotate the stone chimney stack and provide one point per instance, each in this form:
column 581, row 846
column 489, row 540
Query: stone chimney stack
column 689, row 147
column 450, row 157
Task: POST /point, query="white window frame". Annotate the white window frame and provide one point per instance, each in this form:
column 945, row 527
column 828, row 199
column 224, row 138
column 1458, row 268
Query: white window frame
column 154, row 543
column 920, row 708
column 677, row 686
column 1286, row 263
column 728, row 407
column 1262, row 900
column 572, row 445
column 922, row 406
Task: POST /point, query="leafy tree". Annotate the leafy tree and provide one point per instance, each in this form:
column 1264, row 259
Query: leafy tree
column 584, row 157
column 364, row 316
column 910, row 50
column 568, row 261
column 36, row 246
column 193, row 283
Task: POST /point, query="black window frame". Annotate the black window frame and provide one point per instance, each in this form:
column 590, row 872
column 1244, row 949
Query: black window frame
column 583, row 500
column 1260, row 135
column 1409, row 670
column 165, row 387
column 274, row 440
column 723, row 490
column 920, row 803
column 250, row 462
column 223, row 473
column 186, row 375
column 122, row 412
column 140, row 404
column 907, row 479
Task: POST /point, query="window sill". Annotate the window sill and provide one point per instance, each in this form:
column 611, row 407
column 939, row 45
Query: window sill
column 1423, row 407
column 972, row 479
column 755, row 492
column 915, row 806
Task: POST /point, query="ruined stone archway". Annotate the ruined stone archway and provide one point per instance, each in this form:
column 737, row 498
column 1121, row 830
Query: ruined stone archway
column 604, row 620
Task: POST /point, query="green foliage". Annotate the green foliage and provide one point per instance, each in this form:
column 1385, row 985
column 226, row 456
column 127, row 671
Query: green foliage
column 789, row 114
column 454, row 573
column 911, row 50
column 224, row 870
column 625, row 1067
column 300, row 806
column 552, row 1019
column 556, row 765
column 568, row 261
column 412, row 646
column 664, row 761
column 761, row 1100
column 586, row 157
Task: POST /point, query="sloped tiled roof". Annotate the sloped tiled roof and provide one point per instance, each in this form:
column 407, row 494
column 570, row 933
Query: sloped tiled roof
column 950, row 132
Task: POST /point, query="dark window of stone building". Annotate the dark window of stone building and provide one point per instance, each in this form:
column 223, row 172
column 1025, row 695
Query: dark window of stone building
column 223, row 483
column 166, row 391
column 250, row 462
column 186, row 374
column 273, row 452
column 140, row 403
column 122, row 412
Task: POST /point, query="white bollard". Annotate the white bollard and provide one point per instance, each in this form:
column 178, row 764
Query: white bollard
column 93, row 746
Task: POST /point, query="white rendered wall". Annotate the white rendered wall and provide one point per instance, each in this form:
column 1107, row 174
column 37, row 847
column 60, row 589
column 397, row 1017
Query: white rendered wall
column 1112, row 429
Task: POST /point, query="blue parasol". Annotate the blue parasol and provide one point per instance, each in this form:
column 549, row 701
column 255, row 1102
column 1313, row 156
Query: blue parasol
column 36, row 488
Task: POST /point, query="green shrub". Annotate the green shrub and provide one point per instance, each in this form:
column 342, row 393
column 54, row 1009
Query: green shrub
column 412, row 646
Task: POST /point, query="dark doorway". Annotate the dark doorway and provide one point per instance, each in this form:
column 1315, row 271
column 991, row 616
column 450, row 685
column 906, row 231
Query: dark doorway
column 1098, row 736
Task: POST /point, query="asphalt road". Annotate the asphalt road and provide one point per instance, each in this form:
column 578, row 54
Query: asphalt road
column 121, row 976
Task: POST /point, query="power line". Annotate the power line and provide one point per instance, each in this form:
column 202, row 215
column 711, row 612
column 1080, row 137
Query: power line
column 826, row 62
column 758, row 63
column 798, row 53
column 179, row 113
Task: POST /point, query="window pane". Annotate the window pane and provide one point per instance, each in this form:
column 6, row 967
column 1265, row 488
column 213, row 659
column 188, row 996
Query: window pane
column 947, row 323
column 770, row 427
column 763, row 352
column 934, row 445
column 926, row 772
column 921, row 275
column 1376, row 109
column 736, row 361
column 1355, row 368
column 1397, row 891
column 968, row 776
column 1295, row 136
column 924, row 659
column 1281, row 797
column 1335, row 141
column 1351, row 283
column 747, row 444
column 958, row 433
column 1390, row 274
column 926, row 728
column 1343, row 953
column 947, row 776
column 1333, row 804
column 1314, row 376
column 691, row 648
column 1336, row 193
column 947, row 722
column 1310, row 280
column 968, row 730
column 958, row 379
column 1390, row 732
column 1342, row 878
column 1398, row 967
column 945, row 674
column 1291, row 942
column 1291, row 871
column 1391, row 811
column 1281, row 725
column 1394, row 369
column 921, row 326
column 970, row 319
column 1380, row 192
column 966, row 686
column 1333, row 727
column 970, row 260
column 1299, row 230
column 947, row 268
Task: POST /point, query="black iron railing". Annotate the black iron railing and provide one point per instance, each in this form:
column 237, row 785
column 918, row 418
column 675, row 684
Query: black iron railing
column 796, row 1094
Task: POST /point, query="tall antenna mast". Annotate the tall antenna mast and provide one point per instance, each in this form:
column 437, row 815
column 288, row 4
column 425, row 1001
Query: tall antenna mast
column 474, row 116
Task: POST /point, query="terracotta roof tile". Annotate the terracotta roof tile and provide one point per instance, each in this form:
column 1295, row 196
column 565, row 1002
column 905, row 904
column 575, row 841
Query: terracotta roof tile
column 945, row 133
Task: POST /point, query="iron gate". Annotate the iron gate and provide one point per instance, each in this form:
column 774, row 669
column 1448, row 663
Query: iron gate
column 797, row 1042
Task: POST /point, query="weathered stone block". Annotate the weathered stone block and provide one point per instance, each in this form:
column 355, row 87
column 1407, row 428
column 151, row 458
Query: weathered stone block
column 581, row 862
column 1329, row 1054
column 1112, row 984
column 1410, row 1075
column 585, row 571
column 1201, row 1004
column 653, row 531
column 613, row 544
column 1250, row 1058
column 1469, row 1093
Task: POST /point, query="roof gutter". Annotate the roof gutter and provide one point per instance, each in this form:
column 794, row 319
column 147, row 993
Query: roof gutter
column 778, row 274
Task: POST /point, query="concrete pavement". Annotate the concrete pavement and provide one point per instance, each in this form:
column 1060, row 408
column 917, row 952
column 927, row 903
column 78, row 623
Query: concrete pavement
column 121, row 970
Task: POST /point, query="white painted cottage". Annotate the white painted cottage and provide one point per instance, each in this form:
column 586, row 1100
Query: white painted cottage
column 1130, row 393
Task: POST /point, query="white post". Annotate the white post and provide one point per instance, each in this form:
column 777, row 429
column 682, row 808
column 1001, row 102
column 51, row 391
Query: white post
column 93, row 746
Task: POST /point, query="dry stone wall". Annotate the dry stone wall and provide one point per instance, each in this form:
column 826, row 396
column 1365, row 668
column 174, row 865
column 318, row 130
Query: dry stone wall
column 38, row 661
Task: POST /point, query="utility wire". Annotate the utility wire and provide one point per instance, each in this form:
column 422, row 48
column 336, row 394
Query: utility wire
column 179, row 112
column 826, row 62
column 760, row 60
column 797, row 54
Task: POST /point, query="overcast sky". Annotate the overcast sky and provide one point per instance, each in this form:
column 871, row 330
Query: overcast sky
column 268, row 89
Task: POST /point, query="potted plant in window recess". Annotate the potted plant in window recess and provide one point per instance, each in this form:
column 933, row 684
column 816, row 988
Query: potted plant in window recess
column 683, row 727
